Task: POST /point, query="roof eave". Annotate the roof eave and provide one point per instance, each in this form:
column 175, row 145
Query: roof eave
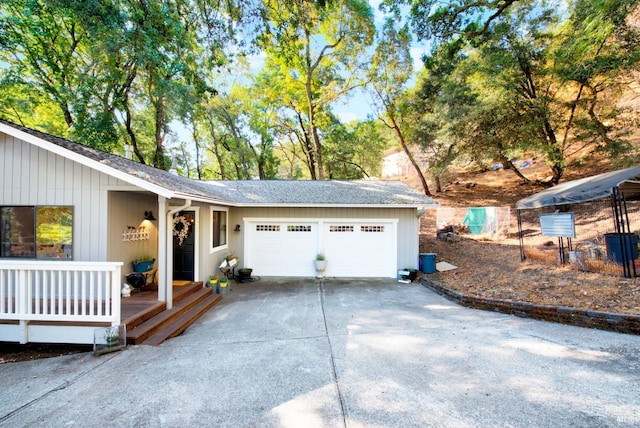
column 83, row 160
column 303, row 205
column 200, row 198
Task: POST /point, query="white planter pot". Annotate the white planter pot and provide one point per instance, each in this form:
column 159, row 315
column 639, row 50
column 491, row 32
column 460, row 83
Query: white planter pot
column 321, row 266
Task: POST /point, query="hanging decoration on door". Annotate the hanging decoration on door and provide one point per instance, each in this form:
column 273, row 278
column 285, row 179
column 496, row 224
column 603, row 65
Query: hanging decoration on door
column 180, row 228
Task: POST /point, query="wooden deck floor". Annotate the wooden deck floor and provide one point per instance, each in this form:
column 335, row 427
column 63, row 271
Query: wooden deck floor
column 139, row 301
column 143, row 300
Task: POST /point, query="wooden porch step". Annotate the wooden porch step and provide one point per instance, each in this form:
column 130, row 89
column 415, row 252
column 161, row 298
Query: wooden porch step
column 180, row 324
column 189, row 305
column 153, row 309
column 144, row 315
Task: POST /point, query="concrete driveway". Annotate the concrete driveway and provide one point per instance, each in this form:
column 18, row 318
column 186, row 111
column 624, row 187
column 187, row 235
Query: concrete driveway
column 375, row 353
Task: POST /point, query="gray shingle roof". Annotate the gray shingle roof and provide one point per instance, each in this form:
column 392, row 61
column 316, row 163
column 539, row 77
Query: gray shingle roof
column 333, row 192
column 147, row 173
column 253, row 192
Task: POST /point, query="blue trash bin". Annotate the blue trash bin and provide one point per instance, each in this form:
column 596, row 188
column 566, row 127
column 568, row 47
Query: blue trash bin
column 428, row 262
column 617, row 243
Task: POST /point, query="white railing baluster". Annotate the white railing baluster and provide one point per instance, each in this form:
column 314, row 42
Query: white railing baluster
column 41, row 278
column 36, row 293
column 114, row 307
column 12, row 291
column 51, row 295
column 67, row 288
column 92, row 294
column 83, row 294
column 60, row 287
column 107, row 293
column 22, row 292
column 76, row 293
column 2, row 294
column 10, row 299
column 3, row 308
column 101, row 300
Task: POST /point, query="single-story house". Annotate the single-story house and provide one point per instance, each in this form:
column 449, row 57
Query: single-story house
column 73, row 218
column 396, row 163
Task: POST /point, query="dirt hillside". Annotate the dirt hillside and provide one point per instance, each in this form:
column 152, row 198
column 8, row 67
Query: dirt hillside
column 492, row 268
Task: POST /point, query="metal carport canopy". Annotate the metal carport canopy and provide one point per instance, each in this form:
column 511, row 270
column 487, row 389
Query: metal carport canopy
column 586, row 189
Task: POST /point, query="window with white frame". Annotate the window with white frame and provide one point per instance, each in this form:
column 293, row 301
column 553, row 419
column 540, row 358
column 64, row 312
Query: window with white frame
column 298, row 228
column 341, row 229
column 267, row 228
column 375, row 229
column 218, row 228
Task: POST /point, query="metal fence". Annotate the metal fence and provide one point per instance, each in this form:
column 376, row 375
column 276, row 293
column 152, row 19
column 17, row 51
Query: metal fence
column 480, row 222
column 595, row 246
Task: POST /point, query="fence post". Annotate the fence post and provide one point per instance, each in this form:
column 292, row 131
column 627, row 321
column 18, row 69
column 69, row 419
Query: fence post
column 115, row 295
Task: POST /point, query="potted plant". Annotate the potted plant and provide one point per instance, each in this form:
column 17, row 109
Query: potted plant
column 143, row 262
column 321, row 264
column 413, row 274
column 244, row 274
column 213, row 283
column 223, row 281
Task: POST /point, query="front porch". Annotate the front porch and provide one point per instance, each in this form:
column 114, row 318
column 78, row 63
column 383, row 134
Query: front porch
column 64, row 302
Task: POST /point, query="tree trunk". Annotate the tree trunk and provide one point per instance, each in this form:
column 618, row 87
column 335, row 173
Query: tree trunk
column 216, row 150
column 396, row 127
column 158, row 158
column 131, row 133
column 307, row 147
column 196, row 141
column 317, row 146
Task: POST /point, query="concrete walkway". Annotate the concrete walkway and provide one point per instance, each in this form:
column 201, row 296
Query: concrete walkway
column 287, row 353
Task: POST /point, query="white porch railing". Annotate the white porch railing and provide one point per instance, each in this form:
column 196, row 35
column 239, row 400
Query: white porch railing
column 57, row 301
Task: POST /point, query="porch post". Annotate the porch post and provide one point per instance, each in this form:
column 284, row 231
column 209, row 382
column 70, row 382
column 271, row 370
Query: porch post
column 162, row 249
column 169, row 250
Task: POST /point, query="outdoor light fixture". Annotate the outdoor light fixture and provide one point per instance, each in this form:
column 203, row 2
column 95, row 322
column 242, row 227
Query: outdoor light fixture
column 148, row 215
column 237, row 229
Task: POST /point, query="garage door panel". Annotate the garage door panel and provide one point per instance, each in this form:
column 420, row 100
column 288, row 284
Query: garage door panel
column 360, row 249
column 282, row 248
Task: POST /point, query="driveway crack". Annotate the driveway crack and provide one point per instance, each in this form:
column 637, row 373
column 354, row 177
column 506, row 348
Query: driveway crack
column 334, row 372
column 62, row 386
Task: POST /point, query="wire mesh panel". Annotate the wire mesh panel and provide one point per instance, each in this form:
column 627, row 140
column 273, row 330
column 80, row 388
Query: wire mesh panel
column 594, row 247
column 480, row 222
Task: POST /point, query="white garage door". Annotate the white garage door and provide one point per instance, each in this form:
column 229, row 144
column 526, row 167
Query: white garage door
column 353, row 248
column 367, row 249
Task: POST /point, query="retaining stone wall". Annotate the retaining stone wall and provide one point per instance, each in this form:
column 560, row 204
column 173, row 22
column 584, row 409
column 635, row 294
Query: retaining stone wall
column 621, row 323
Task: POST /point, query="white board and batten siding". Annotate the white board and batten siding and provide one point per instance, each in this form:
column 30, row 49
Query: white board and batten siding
column 358, row 242
column 34, row 176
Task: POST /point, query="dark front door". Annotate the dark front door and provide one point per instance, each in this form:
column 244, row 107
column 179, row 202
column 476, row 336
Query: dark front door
column 184, row 246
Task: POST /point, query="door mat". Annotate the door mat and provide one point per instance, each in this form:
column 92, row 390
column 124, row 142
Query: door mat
column 181, row 283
